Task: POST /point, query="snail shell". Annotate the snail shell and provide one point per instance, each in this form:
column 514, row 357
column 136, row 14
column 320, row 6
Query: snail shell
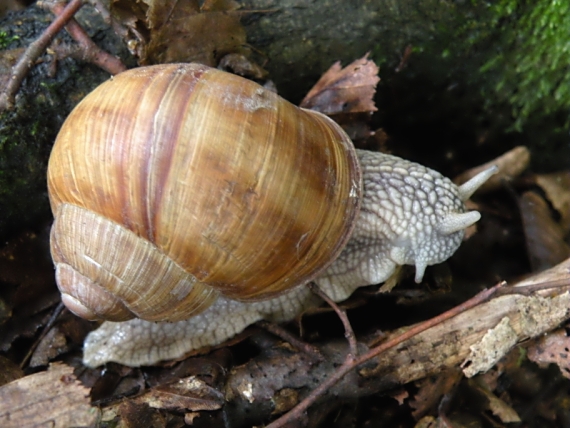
column 174, row 184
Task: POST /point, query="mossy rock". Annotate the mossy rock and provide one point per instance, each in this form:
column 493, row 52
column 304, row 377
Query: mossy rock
column 27, row 132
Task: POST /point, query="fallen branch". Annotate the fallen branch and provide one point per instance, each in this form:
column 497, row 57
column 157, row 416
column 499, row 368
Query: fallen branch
column 474, row 335
column 25, row 63
column 351, row 363
column 89, row 50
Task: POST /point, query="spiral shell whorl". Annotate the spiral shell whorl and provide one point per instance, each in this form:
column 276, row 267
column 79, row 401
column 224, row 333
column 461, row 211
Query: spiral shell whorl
column 244, row 191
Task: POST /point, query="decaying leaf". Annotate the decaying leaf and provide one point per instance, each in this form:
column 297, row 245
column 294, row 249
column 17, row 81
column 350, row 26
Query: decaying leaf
column 53, row 398
column 497, row 406
column 185, row 394
column 544, row 236
column 431, row 390
column 243, row 66
column 133, row 414
column 159, row 31
column 52, row 345
column 28, row 289
column 556, row 186
column 345, row 90
column 427, row 422
column 9, row 371
column 285, row 400
column 552, row 348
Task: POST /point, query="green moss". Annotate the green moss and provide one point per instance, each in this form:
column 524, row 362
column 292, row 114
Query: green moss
column 23, row 156
column 527, row 63
column 5, row 39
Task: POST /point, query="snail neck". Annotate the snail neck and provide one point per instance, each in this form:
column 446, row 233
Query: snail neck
column 409, row 214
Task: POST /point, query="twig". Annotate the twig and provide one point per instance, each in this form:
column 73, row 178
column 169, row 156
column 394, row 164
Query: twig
column 528, row 290
column 404, row 59
column 36, row 48
column 347, row 366
column 305, row 347
column 91, row 52
column 348, row 331
column 45, row 331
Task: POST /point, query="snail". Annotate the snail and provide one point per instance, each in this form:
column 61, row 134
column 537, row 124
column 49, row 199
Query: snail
column 193, row 202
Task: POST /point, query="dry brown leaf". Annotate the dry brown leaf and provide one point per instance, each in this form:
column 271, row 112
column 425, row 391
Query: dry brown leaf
column 28, row 288
column 556, row 186
column 426, row 422
column 169, row 31
column 132, row 414
column 220, row 5
column 185, row 394
column 544, row 237
column 345, row 90
column 552, row 348
column 9, row 371
column 431, row 390
column 400, row 395
column 242, row 65
column 53, row 344
column 53, row 398
column 497, row 406
column 510, row 164
column 11, row 5
column 285, row 400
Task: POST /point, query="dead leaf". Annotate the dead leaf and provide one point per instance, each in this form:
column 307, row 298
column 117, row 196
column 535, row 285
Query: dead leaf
column 400, row 395
column 242, row 65
column 53, row 398
column 159, row 31
column 497, row 406
column 510, row 164
column 53, row 344
column 114, row 382
column 431, row 390
column 5, row 312
column 285, row 400
column 9, row 371
column 556, row 186
column 28, row 290
column 544, row 236
column 185, row 394
column 132, row 414
column 345, row 90
column 356, row 126
column 220, row 5
column 426, row 422
column 16, row 258
column 552, row 348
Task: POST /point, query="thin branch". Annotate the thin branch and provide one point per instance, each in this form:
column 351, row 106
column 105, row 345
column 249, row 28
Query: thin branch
column 527, row 290
column 305, row 347
column 54, row 316
column 25, row 63
column 348, row 365
column 348, row 331
column 91, row 52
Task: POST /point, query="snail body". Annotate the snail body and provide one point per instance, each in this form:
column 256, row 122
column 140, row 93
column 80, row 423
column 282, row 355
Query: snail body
column 181, row 192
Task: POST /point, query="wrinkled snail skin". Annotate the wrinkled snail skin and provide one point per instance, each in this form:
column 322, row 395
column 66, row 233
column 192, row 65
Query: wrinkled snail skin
column 188, row 195
column 370, row 257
